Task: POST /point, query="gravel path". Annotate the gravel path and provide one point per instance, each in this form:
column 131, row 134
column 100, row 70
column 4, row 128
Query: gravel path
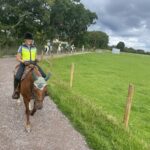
column 51, row 130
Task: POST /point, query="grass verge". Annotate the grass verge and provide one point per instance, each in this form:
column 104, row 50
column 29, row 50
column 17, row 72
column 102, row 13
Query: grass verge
column 101, row 130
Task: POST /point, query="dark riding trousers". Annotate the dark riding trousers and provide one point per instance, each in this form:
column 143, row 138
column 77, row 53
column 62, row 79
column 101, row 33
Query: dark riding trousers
column 21, row 69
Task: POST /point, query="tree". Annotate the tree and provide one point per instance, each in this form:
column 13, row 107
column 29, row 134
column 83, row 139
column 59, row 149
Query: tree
column 18, row 17
column 46, row 19
column 95, row 39
column 121, row 46
column 70, row 19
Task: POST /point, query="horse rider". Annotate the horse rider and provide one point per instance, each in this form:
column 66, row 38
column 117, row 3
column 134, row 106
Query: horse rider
column 27, row 54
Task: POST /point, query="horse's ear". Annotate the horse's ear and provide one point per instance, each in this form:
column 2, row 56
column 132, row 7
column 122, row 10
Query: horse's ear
column 34, row 76
column 48, row 76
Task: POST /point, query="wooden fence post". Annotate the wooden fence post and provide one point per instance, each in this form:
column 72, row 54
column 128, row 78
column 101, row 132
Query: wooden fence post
column 128, row 105
column 71, row 74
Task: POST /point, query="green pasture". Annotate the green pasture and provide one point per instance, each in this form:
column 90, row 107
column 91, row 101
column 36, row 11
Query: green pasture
column 95, row 104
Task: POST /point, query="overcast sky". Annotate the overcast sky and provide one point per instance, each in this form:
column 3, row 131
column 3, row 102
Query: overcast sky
column 123, row 20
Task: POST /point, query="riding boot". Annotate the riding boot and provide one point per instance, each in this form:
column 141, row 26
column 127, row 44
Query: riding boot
column 41, row 71
column 16, row 93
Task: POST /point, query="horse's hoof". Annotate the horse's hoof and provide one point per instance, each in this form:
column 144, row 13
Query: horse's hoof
column 32, row 113
column 28, row 128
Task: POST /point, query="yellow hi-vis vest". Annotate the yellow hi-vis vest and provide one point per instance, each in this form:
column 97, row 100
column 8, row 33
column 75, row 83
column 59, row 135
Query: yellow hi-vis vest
column 28, row 54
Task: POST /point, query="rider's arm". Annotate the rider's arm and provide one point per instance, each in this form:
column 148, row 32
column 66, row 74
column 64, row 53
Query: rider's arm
column 18, row 56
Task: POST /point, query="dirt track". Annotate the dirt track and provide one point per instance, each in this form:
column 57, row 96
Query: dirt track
column 51, row 130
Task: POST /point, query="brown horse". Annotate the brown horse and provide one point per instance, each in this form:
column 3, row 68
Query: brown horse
column 33, row 86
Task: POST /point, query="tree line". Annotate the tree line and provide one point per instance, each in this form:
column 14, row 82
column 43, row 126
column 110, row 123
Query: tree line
column 121, row 45
column 67, row 20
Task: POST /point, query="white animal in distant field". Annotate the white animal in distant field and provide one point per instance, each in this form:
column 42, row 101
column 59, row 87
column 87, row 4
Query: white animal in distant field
column 63, row 46
column 72, row 48
column 46, row 49
column 59, row 49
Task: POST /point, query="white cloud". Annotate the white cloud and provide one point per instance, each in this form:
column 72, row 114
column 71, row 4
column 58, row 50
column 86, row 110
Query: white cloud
column 127, row 21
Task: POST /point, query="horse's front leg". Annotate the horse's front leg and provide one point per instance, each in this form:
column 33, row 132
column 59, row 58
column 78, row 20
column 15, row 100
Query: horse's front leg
column 34, row 109
column 27, row 111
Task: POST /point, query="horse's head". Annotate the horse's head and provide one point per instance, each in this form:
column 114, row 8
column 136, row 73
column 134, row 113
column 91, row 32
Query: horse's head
column 39, row 89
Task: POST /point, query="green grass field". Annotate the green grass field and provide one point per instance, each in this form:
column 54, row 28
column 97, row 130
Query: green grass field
column 95, row 105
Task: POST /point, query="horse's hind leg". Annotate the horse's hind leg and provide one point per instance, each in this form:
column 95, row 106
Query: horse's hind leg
column 28, row 125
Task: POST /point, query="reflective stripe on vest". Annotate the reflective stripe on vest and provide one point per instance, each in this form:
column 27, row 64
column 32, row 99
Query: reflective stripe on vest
column 26, row 54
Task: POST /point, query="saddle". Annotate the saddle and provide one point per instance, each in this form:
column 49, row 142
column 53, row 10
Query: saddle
column 28, row 68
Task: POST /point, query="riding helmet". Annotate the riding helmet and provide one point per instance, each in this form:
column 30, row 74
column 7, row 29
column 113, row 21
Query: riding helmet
column 28, row 36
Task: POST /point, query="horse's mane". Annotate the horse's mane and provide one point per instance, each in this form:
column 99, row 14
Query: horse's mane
column 29, row 70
